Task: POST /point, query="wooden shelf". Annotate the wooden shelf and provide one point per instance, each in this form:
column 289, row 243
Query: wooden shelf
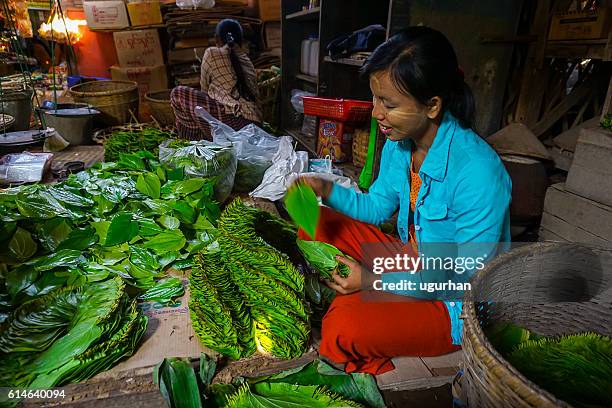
column 307, row 78
column 594, row 49
column 112, row 30
column 309, row 143
column 310, row 14
column 346, row 61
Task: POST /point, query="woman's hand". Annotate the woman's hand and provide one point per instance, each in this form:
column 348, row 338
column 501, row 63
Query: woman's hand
column 358, row 278
column 321, row 187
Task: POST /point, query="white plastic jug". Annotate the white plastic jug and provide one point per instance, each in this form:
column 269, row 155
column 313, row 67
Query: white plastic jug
column 313, row 65
column 305, row 62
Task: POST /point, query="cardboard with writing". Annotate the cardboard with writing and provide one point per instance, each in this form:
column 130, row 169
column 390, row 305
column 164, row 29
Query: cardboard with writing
column 138, row 48
column 107, row 14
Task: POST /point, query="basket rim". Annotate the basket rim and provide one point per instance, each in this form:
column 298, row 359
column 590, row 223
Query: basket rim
column 473, row 329
column 149, row 96
column 133, row 86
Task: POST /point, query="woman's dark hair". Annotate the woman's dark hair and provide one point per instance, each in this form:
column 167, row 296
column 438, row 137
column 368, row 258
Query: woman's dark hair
column 229, row 32
column 423, row 64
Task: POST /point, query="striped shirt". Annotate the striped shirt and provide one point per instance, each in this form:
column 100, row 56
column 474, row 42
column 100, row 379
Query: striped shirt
column 217, row 78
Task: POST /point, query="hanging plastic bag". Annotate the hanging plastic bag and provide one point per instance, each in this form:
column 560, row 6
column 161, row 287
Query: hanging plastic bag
column 202, row 159
column 287, row 163
column 255, row 149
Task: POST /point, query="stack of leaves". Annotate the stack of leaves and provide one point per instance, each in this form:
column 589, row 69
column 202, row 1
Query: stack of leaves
column 316, row 384
column 132, row 141
column 322, row 257
column 69, row 335
column 576, row 368
column 272, row 287
column 133, row 219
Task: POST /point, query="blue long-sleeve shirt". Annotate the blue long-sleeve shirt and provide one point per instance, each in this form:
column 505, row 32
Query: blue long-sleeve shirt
column 464, row 199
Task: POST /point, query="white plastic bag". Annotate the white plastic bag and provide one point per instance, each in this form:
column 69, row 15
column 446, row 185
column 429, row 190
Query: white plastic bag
column 287, row 164
column 202, row 159
column 255, row 149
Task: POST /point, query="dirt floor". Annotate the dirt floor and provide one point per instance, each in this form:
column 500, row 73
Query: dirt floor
column 440, row 397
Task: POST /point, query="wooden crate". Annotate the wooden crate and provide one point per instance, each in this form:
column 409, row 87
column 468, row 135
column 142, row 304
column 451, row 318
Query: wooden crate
column 570, row 217
column 591, row 172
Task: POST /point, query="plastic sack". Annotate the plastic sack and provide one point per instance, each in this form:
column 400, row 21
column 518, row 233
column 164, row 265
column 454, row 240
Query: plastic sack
column 287, row 163
column 195, row 4
column 202, row 159
column 296, row 99
column 255, row 149
column 23, row 167
column 336, row 178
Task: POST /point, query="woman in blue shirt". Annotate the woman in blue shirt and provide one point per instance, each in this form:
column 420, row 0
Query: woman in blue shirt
column 449, row 186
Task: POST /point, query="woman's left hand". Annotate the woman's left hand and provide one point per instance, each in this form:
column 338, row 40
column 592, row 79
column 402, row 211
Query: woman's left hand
column 353, row 282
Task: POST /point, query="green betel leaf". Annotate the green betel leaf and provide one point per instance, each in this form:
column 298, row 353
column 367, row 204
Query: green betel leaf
column 167, row 241
column 322, row 257
column 178, row 383
column 184, row 212
column 66, row 258
column 186, row 187
column 164, row 291
column 101, row 228
column 121, row 229
column 22, row 246
column 303, row 207
column 169, row 222
column 80, row 239
column 53, row 232
column 131, row 162
column 143, row 258
column 148, row 228
column 149, row 185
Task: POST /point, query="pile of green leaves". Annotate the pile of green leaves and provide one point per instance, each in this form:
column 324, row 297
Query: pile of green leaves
column 576, row 368
column 134, row 219
column 322, row 257
column 315, row 384
column 251, row 285
column 606, row 122
column 68, row 335
column 121, row 142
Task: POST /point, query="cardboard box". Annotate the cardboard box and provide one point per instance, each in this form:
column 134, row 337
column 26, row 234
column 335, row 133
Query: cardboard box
column 590, row 174
column 148, row 78
column 144, row 13
column 109, row 14
column 138, row 48
column 269, row 10
column 584, row 25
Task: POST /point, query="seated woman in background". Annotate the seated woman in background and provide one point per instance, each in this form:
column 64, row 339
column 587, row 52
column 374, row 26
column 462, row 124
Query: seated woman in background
column 228, row 84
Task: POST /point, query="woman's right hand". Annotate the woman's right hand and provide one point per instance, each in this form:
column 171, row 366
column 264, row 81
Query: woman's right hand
column 320, row 186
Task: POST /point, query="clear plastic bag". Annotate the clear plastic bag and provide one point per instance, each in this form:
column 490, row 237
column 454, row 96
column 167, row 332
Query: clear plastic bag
column 195, row 4
column 202, row 159
column 255, row 149
column 296, row 99
column 23, row 167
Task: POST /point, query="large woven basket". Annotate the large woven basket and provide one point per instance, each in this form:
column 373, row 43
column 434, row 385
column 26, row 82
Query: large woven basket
column 361, row 141
column 550, row 288
column 269, row 98
column 161, row 110
column 116, row 100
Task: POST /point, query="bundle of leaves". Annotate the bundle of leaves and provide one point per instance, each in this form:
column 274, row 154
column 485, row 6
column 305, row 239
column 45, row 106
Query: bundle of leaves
column 316, row 384
column 322, row 257
column 121, row 142
column 272, row 287
column 202, row 159
column 218, row 313
column 575, row 368
column 68, row 335
column 134, row 218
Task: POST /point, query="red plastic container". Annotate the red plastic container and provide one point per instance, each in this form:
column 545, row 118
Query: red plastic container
column 342, row 110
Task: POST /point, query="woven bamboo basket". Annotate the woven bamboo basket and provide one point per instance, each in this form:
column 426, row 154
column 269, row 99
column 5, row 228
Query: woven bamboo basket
column 550, row 288
column 161, row 110
column 361, row 141
column 268, row 98
column 116, row 100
